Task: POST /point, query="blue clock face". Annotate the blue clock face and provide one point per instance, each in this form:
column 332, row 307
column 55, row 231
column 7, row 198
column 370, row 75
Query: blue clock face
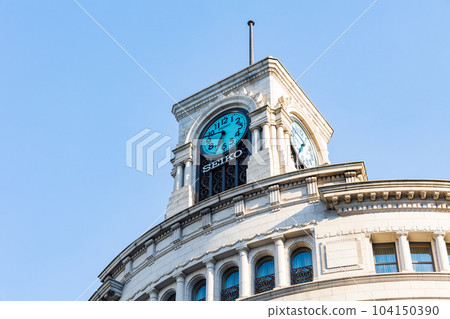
column 224, row 133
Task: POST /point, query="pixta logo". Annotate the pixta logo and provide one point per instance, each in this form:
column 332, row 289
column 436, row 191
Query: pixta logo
column 143, row 146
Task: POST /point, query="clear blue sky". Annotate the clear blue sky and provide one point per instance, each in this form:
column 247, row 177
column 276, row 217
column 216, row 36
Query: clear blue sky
column 70, row 98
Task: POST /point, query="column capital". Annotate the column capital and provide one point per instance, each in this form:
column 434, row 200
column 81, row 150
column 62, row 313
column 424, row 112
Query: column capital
column 243, row 248
column 210, row 262
column 153, row 293
column 126, row 260
column 277, row 238
column 439, row 234
column 178, row 164
column 180, row 276
column 401, row 234
column 153, row 290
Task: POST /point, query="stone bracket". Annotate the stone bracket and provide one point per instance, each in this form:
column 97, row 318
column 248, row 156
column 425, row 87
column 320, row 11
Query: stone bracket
column 239, row 207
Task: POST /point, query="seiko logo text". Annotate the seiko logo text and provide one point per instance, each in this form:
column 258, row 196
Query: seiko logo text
column 221, row 161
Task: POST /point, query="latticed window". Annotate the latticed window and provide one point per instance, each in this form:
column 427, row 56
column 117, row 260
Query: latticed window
column 301, row 266
column 422, row 258
column 230, row 284
column 199, row 291
column 385, row 258
column 265, row 273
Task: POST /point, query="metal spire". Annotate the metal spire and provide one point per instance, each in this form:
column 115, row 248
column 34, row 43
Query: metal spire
column 251, row 24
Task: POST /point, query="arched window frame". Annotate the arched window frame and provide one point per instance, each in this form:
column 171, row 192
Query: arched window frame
column 229, row 293
column 302, row 274
column 196, row 288
column 169, row 295
column 267, row 282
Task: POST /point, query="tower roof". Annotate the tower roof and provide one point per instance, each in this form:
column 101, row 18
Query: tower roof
column 274, row 80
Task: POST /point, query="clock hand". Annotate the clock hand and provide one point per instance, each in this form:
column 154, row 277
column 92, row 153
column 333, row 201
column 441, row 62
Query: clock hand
column 220, row 141
column 213, row 134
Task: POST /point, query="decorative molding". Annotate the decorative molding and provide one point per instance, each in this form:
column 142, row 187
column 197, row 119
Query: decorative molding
column 110, row 290
column 418, row 195
column 176, row 234
column 180, row 110
column 274, row 196
column 239, row 207
column 325, row 175
column 150, row 250
column 350, row 177
column 238, row 244
column 313, row 191
column 206, row 218
column 398, row 230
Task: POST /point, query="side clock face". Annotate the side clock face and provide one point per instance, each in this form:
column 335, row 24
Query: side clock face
column 224, row 133
column 303, row 146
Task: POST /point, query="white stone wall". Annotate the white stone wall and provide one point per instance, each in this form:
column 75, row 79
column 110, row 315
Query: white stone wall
column 341, row 245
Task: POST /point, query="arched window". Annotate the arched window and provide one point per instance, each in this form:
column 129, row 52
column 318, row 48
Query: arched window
column 301, row 266
column 230, row 285
column 265, row 275
column 199, row 291
column 169, row 296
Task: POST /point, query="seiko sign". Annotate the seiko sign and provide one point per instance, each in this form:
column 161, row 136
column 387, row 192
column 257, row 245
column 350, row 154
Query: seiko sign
column 221, row 161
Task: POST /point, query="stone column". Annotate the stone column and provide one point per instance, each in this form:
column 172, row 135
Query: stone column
column 180, row 287
column 179, row 176
column 287, row 146
column 441, row 250
column 210, row 268
column 154, row 295
column 266, row 136
column 244, row 273
column 280, row 262
column 404, row 252
column 258, row 139
column 281, row 146
column 275, row 153
column 280, row 138
column 188, row 172
column 255, row 140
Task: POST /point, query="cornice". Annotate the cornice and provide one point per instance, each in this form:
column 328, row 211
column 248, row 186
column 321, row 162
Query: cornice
column 267, row 66
column 223, row 87
column 371, row 196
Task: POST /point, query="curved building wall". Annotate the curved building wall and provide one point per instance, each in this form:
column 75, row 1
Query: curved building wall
column 329, row 210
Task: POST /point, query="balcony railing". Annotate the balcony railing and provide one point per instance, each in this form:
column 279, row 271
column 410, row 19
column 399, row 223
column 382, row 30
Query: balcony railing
column 301, row 275
column 230, row 293
column 264, row 283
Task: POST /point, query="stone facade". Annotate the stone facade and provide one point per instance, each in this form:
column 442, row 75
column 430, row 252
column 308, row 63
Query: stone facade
column 331, row 211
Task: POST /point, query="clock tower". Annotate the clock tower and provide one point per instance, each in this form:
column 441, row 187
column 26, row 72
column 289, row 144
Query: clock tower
column 255, row 124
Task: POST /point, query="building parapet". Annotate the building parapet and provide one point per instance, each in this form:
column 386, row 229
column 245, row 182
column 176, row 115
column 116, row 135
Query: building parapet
column 387, row 194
